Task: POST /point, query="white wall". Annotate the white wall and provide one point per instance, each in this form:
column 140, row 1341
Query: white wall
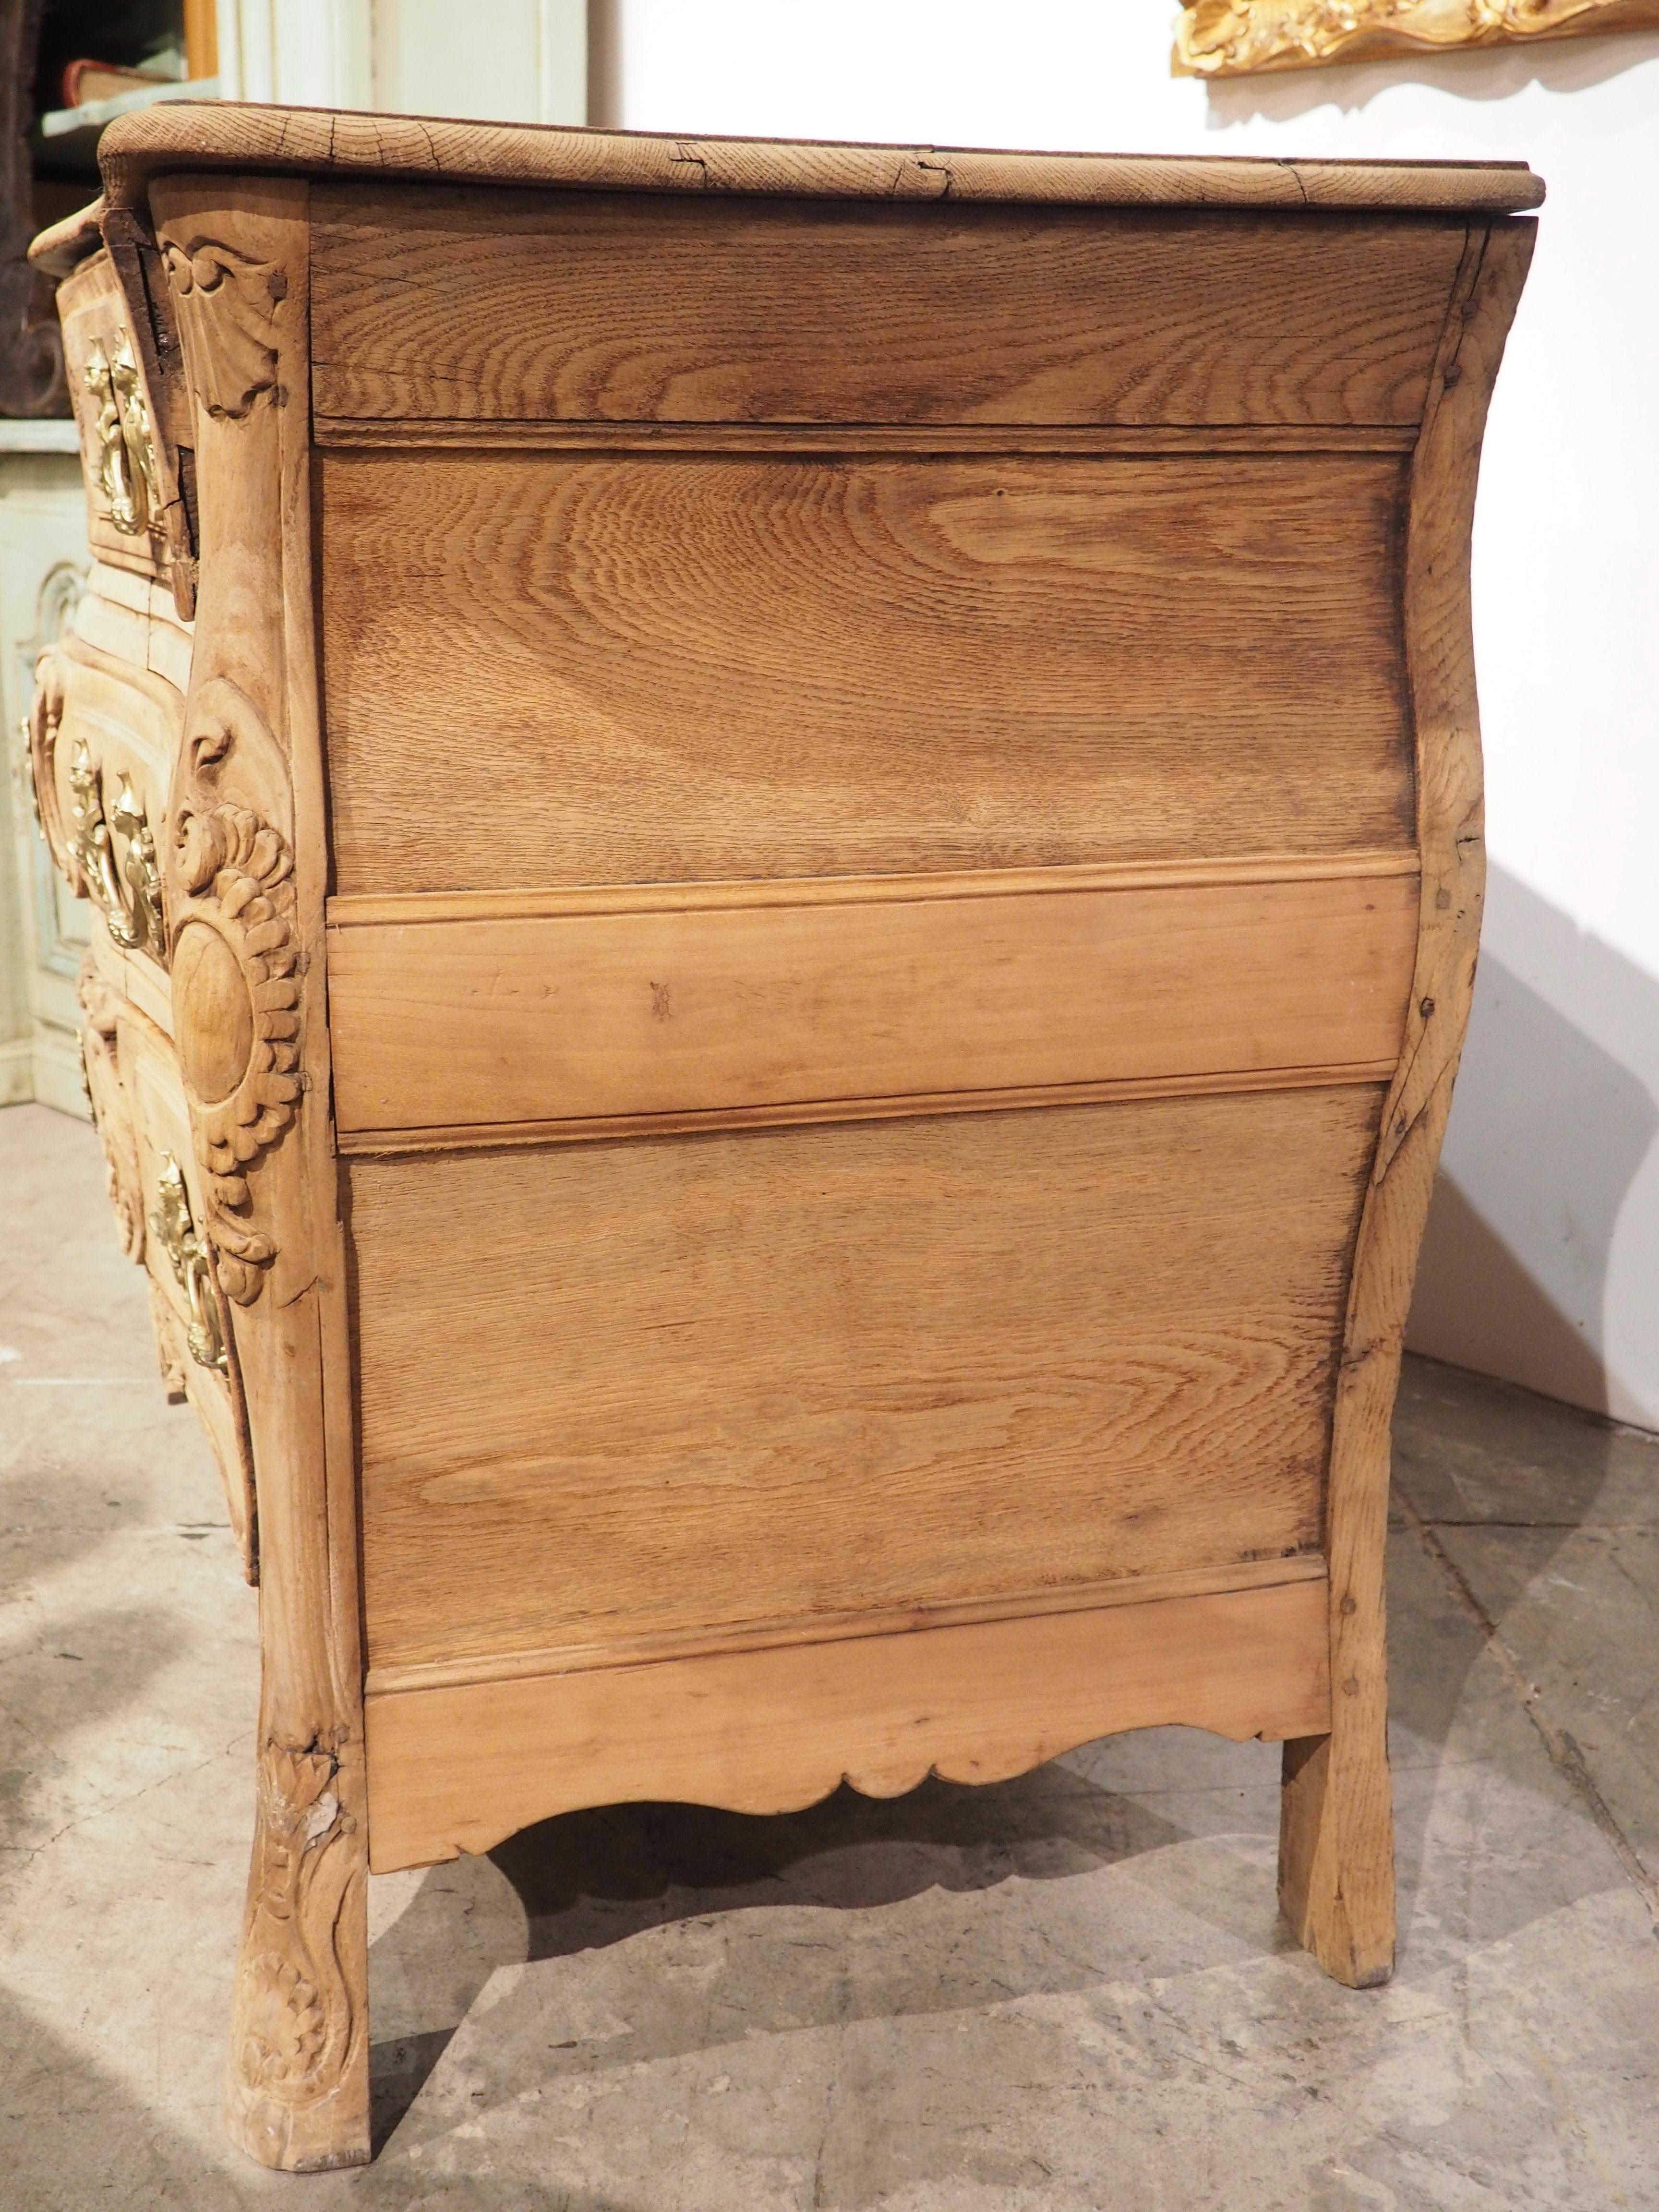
column 511, row 61
column 1542, row 1261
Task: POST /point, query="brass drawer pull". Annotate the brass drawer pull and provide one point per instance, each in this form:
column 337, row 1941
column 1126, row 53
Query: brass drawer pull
column 127, row 447
column 129, row 890
column 175, row 1230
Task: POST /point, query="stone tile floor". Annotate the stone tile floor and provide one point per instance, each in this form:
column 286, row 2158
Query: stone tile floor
column 1065, row 1991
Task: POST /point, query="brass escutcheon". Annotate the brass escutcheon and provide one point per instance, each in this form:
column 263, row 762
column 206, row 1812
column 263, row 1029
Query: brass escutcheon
column 127, row 447
column 128, row 890
column 175, row 1229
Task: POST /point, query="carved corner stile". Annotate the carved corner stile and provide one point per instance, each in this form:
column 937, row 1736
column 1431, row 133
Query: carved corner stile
column 1336, row 1850
column 245, row 874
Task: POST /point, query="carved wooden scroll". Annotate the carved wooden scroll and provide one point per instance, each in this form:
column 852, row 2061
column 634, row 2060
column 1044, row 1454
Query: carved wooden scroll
column 244, row 875
column 1237, row 38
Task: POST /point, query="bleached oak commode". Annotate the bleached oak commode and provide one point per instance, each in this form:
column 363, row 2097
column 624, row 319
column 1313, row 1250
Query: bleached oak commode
column 791, row 844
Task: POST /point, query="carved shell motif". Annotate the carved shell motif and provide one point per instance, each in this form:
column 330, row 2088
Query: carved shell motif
column 226, row 307
column 236, row 1001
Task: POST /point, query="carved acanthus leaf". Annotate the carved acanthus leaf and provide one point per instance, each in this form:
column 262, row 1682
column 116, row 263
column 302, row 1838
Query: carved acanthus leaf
column 228, row 305
column 295, row 2022
column 236, row 1009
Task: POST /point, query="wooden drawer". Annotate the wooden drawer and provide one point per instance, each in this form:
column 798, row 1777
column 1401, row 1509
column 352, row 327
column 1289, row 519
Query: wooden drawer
column 127, row 474
column 192, row 1323
column 433, row 305
column 103, row 737
column 133, row 618
column 138, row 1104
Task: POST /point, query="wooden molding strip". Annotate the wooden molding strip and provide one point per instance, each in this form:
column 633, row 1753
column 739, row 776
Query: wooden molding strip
column 454, row 1136
column 359, row 910
column 457, row 1768
column 911, row 439
column 833, row 1628
column 727, row 1000
column 181, row 135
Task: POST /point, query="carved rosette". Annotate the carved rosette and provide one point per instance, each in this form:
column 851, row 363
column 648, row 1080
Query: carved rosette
column 295, row 2018
column 236, row 1011
column 112, row 1109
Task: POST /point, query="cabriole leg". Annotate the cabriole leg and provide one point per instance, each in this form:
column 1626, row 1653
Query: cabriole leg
column 296, row 2092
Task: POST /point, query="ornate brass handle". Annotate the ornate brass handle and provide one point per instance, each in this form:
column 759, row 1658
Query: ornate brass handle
column 174, row 1230
column 128, row 890
column 126, row 446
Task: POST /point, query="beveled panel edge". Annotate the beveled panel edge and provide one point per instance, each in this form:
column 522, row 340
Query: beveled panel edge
column 487, row 1136
column 458, row 1769
column 400, row 1680
column 352, row 432
column 185, row 135
column 354, row 910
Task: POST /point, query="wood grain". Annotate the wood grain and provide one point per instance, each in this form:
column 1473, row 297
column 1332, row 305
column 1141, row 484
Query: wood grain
column 677, row 1383
column 684, row 1006
column 867, row 1621
column 575, row 669
column 613, row 307
column 1336, row 1837
column 456, row 1769
column 312, row 142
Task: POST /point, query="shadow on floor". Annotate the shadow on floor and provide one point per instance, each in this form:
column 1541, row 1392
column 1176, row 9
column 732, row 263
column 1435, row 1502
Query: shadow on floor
column 1472, row 1452
column 588, row 1879
column 1465, row 1450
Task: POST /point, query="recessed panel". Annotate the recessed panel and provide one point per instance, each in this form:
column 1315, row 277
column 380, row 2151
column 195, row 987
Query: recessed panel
column 673, row 1384
column 433, row 304
column 574, row 669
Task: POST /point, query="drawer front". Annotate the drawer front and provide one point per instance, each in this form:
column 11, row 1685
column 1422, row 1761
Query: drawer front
column 431, row 305
column 128, row 474
column 192, row 1324
column 103, row 737
column 681, row 1383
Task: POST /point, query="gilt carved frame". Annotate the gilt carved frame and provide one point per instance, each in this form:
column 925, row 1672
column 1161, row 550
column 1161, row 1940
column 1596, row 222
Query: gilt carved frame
column 1241, row 38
